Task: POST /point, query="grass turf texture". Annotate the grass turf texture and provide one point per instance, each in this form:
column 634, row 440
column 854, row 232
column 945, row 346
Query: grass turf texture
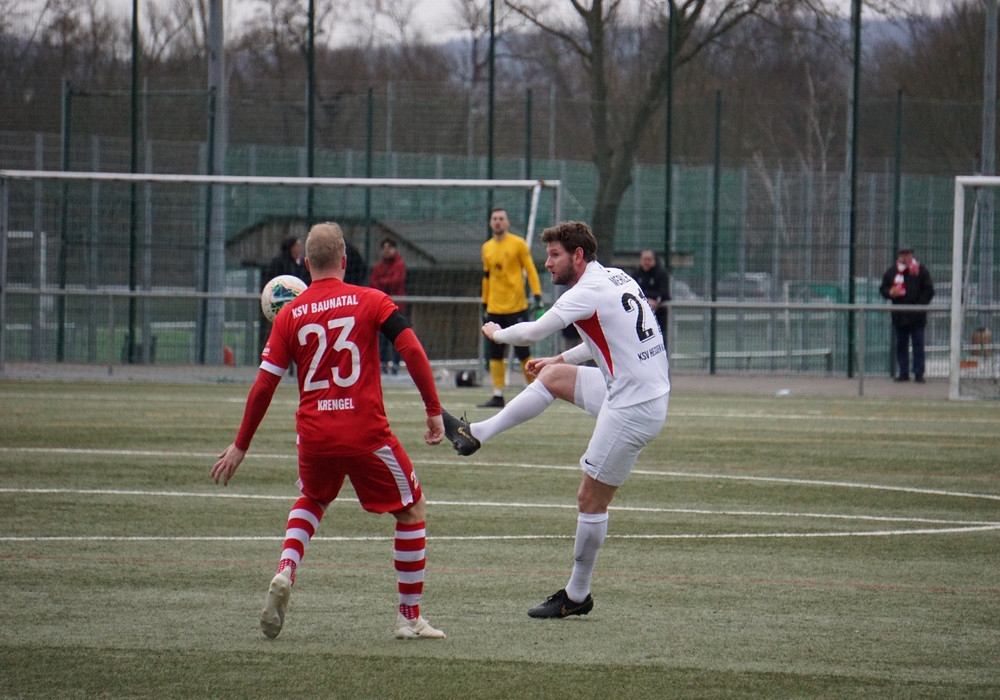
column 782, row 547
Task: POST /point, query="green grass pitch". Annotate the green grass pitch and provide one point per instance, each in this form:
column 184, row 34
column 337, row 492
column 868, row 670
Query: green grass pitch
column 763, row 547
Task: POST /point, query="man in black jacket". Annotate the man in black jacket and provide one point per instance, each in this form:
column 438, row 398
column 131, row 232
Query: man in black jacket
column 288, row 261
column 908, row 282
column 655, row 284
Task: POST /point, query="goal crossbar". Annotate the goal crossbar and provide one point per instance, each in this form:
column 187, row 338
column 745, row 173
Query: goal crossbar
column 290, row 181
column 214, row 216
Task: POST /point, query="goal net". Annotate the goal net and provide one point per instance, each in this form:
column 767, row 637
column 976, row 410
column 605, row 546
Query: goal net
column 121, row 268
column 974, row 345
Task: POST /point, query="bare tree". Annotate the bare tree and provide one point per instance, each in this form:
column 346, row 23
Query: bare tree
column 472, row 18
column 273, row 43
column 277, row 29
column 393, row 23
column 618, row 125
column 17, row 16
column 85, row 39
column 626, row 87
column 174, row 28
column 938, row 66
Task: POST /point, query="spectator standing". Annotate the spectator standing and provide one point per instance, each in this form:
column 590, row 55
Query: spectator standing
column 389, row 275
column 908, row 282
column 288, row 261
column 655, row 283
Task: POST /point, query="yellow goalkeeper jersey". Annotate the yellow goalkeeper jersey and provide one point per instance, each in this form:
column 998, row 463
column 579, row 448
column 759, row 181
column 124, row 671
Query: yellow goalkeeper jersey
column 505, row 263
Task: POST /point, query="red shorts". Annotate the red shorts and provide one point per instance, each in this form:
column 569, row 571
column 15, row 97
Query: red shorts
column 384, row 479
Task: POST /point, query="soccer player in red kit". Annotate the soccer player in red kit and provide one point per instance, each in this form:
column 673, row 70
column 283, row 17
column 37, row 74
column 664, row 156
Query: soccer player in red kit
column 330, row 332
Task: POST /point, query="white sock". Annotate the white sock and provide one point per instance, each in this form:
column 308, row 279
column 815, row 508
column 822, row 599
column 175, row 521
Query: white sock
column 591, row 529
column 529, row 403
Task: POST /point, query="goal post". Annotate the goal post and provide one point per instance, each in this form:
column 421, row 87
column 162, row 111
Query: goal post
column 974, row 355
column 91, row 262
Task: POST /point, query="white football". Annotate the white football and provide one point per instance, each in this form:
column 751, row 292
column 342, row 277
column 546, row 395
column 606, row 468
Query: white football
column 278, row 292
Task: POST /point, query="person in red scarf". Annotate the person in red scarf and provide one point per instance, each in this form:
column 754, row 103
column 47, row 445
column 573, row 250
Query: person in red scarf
column 389, row 276
column 908, row 282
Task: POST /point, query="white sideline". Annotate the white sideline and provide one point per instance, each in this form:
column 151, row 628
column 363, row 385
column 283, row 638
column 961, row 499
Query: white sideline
column 950, row 526
column 516, row 465
column 497, row 538
column 988, row 524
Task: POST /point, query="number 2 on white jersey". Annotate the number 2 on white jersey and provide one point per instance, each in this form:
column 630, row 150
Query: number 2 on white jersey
column 643, row 333
column 343, row 328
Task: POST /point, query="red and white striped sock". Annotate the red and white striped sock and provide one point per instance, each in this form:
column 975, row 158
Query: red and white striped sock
column 303, row 519
column 410, row 558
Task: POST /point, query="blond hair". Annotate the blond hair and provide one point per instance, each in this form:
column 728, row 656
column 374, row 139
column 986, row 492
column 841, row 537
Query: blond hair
column 325, row 247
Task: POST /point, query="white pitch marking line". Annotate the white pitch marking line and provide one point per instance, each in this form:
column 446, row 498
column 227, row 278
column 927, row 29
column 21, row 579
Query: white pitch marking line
column 819, row 482
column 156, row 494
column 123, row 453
column 734, row 477
column 502, row 504
column 403, row 403
column 524, row 465
column 493, row 538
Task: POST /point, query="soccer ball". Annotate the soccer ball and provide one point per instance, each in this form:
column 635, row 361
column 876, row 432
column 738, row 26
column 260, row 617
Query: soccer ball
column 278, row 292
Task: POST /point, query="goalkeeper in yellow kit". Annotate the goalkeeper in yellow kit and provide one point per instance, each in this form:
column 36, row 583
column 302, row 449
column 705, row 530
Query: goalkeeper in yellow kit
column 506, row 262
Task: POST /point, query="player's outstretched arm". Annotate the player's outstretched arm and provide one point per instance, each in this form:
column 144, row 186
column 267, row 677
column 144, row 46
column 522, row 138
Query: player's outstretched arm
column 419, row 368
column 489, row 328
column 435, row 430
column 258, row 400
column 525, row 333
column 227, row 464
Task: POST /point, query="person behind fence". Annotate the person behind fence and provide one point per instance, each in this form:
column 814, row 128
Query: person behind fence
column 506, row 262
column 389, row 275
column 908, row 282
column 341, row 427
column 288, row 261
column 627, row 393
column 655, row 283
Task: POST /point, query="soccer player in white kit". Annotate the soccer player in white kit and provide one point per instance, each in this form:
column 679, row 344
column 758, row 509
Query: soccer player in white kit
column 627, row 392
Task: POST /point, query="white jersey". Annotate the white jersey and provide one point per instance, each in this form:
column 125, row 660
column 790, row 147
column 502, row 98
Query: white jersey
column 619, row 327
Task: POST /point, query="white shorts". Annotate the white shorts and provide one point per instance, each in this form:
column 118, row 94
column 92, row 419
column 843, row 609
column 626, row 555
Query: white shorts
column 620, row 434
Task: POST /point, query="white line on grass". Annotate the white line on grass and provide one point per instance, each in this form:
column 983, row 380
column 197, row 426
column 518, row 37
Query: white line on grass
column 493, row 538
column 735, row 477
column 756, row 535
column 770, row 416
column 125, row 453
column 399, row 398
column 261, row 538
column 826, row 417
column 146, row 399
column 525, row 465
column 503, row 504
column 153, row 494
column 953, row 526
column 818, row 482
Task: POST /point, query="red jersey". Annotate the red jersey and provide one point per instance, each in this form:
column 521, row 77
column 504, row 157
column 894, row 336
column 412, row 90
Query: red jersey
column 331, row 333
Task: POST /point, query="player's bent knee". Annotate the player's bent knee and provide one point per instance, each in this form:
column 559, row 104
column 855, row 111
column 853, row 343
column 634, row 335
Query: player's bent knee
column 593, row 496
column 560, row 380
column 414, row 514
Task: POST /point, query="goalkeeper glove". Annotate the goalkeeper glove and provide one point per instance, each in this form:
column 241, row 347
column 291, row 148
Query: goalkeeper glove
column 537, row 308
